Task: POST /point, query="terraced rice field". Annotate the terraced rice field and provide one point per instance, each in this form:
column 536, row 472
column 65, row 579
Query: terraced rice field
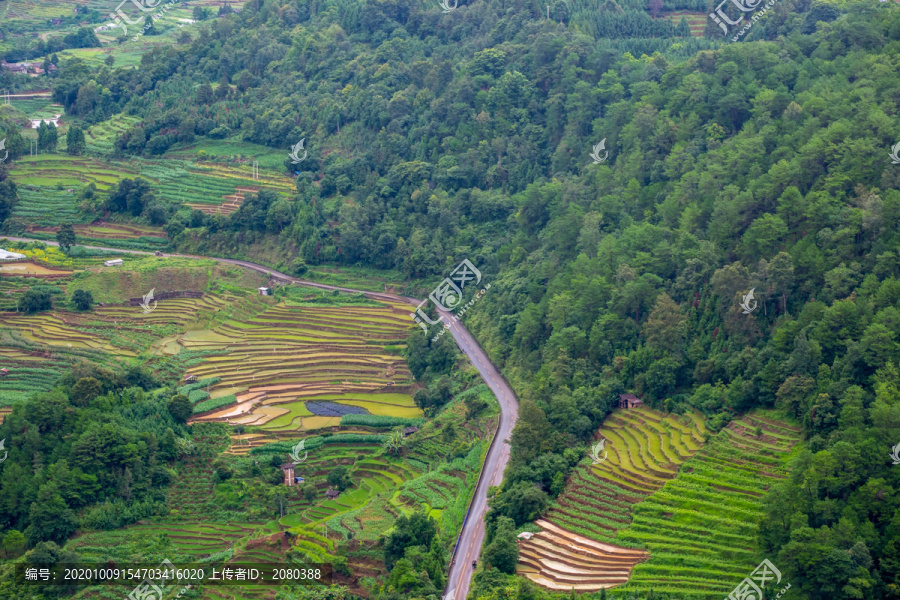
column 29, row 372
column 383, row 489
column 212, row 188
column 104, row 231
column 690, row 535
column 367, row 510
column 644, row 450
column 560, row 560
column 700, row 528
column 44, row 207
column 37, row 348
column 287, row 355
column 101, row 138
column 50, row 170
column 209, row 187
column 121, row 329
column 231, row 203
column 31, row 268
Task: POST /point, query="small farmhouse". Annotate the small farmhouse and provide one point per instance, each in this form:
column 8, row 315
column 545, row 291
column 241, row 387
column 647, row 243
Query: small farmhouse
column 629, row 401
column 14, row 68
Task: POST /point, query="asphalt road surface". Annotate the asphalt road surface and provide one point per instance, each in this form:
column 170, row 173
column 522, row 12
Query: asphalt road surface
column 468, row 547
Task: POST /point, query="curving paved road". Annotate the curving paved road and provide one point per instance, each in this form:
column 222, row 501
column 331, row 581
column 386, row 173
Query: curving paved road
column 470, row 540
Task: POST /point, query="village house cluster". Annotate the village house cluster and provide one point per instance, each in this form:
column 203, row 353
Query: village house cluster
column 26, row 68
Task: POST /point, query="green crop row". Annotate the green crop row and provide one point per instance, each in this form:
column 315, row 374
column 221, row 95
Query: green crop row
column 213, row 403
column 695, row 542
column 379, row 421
column 187, row 389
column 196, row 396
column 314, row 442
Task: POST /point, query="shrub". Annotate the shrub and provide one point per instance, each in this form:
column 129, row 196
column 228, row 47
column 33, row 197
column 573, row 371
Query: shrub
column 180, row 408
column 82, row 300
column 35, row 301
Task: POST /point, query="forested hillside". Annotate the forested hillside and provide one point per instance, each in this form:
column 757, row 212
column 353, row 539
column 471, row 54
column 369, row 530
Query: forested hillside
column 761, row 165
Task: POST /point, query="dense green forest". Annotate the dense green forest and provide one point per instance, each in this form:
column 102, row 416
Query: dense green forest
column 757, row 165
column 97, row 445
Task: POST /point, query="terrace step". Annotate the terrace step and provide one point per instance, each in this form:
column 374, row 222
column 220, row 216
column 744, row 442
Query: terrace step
column 560, row 559
column 561, row 587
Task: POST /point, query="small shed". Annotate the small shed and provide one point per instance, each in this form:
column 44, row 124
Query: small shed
column 113, row 263
column 4, row 372
column 265, row 291
column 629, row 401
column 331, row 494
column 288, row 469
column 410, row 431
column 525, row 535
column 190, row 378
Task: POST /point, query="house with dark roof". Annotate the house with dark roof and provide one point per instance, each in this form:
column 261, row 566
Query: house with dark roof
column 629, row 401
column 331, row 494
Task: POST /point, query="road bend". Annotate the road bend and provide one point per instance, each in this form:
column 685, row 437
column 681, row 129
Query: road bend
column 468, row 547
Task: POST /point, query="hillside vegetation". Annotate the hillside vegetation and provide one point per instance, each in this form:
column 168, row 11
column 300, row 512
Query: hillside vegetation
column 761, row 166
